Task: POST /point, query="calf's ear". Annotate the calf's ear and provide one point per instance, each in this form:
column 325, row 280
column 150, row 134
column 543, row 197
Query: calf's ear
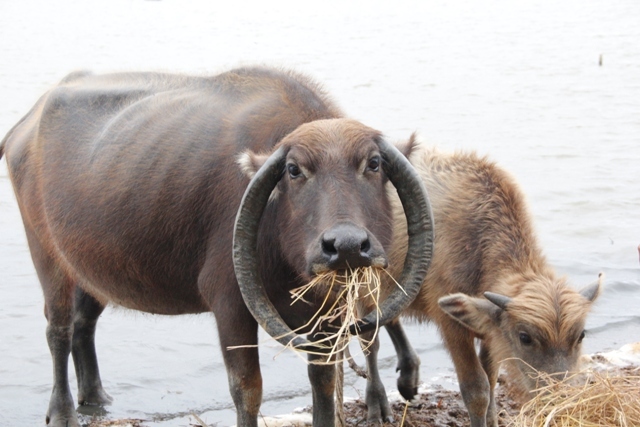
column 250, row 162
column 477, row 314
column 591, row 292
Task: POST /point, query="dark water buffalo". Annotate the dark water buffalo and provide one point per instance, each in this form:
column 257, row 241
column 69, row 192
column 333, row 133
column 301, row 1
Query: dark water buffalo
column 489, row 280
column 129, row 185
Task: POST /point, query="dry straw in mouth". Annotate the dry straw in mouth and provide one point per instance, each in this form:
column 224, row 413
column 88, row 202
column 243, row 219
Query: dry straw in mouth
column 342, row 293
column 602, row 399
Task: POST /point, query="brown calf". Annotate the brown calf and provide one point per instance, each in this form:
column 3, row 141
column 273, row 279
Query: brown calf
column 488, row 280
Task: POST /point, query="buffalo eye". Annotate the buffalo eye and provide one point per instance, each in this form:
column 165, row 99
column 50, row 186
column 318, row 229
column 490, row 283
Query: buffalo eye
column 294, row 171
column 374, row 164
column 581, row 337
column 525, row 338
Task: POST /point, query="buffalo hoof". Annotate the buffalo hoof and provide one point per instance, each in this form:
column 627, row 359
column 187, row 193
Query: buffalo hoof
column 63, row 419
column 380, row 421
column 407, row 391
column 97, row 397
column 408, row 384
column 374, row 419
column 61, row 412
column 378, row 408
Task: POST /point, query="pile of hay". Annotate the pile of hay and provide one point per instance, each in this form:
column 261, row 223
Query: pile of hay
column 588, row 398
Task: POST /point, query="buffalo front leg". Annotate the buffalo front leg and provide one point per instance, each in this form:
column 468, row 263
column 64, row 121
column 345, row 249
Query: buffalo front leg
column 474, row 384
column 322, row 377
column 378, row 409
column 408, row 361
column 58, row 289
column 236, row 327
column 83, row 350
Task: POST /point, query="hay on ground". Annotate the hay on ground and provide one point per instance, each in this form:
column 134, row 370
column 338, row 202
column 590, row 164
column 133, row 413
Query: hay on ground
column 587, row 398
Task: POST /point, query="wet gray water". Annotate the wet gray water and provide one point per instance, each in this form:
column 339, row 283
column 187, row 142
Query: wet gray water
column 518, row 81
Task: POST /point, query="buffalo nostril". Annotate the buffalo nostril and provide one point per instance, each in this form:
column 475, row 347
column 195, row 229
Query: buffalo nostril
column 328, row 247
column 347, row 246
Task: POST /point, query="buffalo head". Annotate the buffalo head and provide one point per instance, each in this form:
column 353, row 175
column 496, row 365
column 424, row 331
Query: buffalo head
column 327, row 182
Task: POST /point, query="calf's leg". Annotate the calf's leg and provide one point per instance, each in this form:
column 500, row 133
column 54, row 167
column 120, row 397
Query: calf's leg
column 491, row 368
column 83, row 350
column 474, row 384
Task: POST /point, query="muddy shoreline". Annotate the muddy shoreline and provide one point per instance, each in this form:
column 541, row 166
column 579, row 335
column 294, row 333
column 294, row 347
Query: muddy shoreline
column 435, row 407
column 435, row 404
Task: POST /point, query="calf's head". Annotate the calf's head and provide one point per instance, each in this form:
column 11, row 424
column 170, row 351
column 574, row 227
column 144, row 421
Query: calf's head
column 326, row 183
column 540, row 329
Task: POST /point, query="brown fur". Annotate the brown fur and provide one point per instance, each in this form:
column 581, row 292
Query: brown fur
column 485, row 242
column 128, row 185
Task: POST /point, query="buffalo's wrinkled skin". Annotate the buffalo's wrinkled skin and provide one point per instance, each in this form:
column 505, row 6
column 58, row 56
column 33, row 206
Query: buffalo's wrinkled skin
column 128, row 185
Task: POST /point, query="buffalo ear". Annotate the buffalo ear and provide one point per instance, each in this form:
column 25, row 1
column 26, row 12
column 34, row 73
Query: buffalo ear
column 250, row 162
column 592, row 291
column 477, row 314
column 409, row 146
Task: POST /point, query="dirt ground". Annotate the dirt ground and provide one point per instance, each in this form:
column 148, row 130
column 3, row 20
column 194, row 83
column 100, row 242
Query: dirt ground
column 436, row 408
column 439, row 407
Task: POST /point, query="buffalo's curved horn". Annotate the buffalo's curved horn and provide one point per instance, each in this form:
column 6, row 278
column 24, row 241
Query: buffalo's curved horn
column 417, row 209
column 414, row 199
column 498, row 299
column 245, row 237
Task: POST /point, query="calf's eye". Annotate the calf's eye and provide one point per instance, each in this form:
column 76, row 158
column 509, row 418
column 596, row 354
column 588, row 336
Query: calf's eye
column 525, row 338
column 374, row 164
column 294, row 171
column 581, row 337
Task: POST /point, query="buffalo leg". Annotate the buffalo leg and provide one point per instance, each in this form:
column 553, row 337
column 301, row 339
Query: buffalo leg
column 83, row 350
column 323, row 384
column 408, row 360
column 474, row 384
column 58, row 290
column 378, row 409
column 491, row 369
column 236, row 327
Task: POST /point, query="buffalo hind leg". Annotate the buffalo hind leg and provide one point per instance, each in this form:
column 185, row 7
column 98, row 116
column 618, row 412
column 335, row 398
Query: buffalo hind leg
column 83, row 350
column 322, row 377
column 378, row 409
column 61, row 411
column 58, row 289
column 408, row 360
